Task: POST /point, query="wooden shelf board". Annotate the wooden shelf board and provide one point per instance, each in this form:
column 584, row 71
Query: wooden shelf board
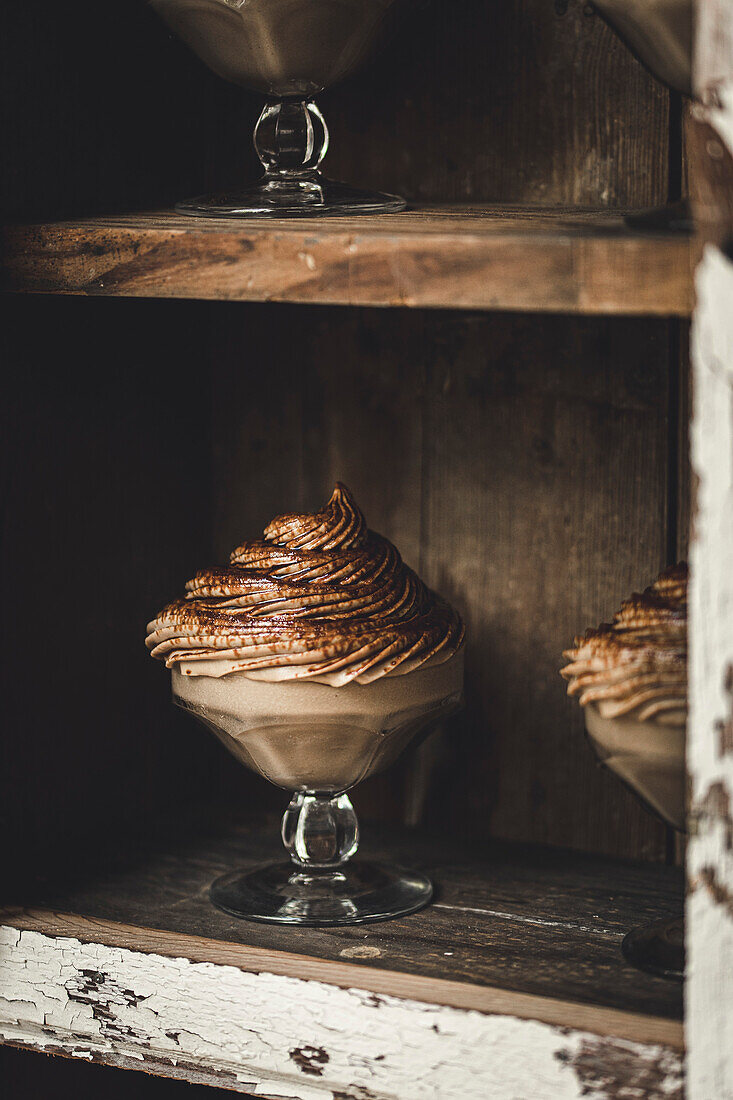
column 501, row 258
column 513, row 980
column 537, row 931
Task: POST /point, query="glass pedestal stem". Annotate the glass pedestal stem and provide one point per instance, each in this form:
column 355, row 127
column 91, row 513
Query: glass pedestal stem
column 319, row 885
column 290, row 136
column 320, row 831
column 291, row 140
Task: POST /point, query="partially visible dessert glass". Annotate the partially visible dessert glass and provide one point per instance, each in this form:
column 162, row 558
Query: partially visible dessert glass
column 315, row 656
column 289, row 51
column 660, row 34
column 630, row 676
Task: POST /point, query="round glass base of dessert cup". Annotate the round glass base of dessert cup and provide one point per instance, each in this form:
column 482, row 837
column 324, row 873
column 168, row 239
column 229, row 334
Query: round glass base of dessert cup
column 308, row 196
column 657, row 948
column 355, row 893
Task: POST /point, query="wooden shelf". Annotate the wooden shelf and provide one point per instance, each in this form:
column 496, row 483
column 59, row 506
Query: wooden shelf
column 519, row 957
column 499, row 258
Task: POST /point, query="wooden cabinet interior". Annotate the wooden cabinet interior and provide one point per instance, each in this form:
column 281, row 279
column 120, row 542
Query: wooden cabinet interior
column 526, row 466
column 533, row 468
column 525, row 102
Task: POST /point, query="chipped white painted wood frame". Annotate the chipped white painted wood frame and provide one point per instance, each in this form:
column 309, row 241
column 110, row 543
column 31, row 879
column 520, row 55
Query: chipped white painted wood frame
column 272, row 1035
column 709, row 985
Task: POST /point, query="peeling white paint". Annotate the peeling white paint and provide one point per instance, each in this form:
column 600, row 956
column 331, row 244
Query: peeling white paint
column 709, row 911
column 709, row 988
column 278, row 1036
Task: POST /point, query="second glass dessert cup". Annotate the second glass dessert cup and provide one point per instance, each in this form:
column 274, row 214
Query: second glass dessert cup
column 289, row 51
column 630, row 676
column 318, row 742
column 650, row 759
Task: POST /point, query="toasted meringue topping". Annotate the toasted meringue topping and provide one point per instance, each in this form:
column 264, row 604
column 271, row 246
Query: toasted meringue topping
column 637, row 664
column 321, row 598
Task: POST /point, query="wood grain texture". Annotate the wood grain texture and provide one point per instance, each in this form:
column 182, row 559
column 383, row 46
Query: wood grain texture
column 482, row 258
column 609, row 1022
column 529, row 101
column 530, row 921
column 544, row 482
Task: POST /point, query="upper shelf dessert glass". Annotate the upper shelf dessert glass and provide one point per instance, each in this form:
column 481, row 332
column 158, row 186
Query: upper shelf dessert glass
column 660, row 34
column 315, row 656
column 288, row 50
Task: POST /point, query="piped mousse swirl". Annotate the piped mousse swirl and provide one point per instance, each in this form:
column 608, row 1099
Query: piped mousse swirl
column 637, row 664
column 320, row 598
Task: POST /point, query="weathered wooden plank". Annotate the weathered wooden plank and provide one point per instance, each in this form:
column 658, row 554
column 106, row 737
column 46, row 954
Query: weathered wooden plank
column 545, row 490
column 436, row 991
column 710, row 744
column 523, row 102
column 537, row 922
column 282, row 1036
column 471, row 258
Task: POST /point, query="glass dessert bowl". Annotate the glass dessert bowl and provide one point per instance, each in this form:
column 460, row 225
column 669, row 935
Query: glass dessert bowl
column 631, row 679
column 289, row 51
column 316, row 656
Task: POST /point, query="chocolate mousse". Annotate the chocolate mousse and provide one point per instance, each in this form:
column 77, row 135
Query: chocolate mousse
column 316, row 654
column 637, row 664
column 630, row 675
column 322, row 598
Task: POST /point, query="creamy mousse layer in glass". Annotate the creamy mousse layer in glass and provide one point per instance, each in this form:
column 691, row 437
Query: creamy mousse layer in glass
column 316, row 654
column 630, row 675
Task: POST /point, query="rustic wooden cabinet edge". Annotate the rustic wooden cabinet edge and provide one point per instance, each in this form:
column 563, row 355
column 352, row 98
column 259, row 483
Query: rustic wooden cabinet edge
column 255, row 1030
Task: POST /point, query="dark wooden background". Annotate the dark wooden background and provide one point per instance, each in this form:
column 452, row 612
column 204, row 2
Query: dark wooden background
column 533, row 468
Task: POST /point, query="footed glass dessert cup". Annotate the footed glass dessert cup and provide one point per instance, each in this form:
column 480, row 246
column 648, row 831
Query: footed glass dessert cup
column 631, row 679
column 318, row 742
column 289, row 51
column 315, row 656
column 650, row 759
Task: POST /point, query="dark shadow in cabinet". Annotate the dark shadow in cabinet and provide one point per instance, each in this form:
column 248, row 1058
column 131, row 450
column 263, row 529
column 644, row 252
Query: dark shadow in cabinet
column 106, row 507
column 27, row 1074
